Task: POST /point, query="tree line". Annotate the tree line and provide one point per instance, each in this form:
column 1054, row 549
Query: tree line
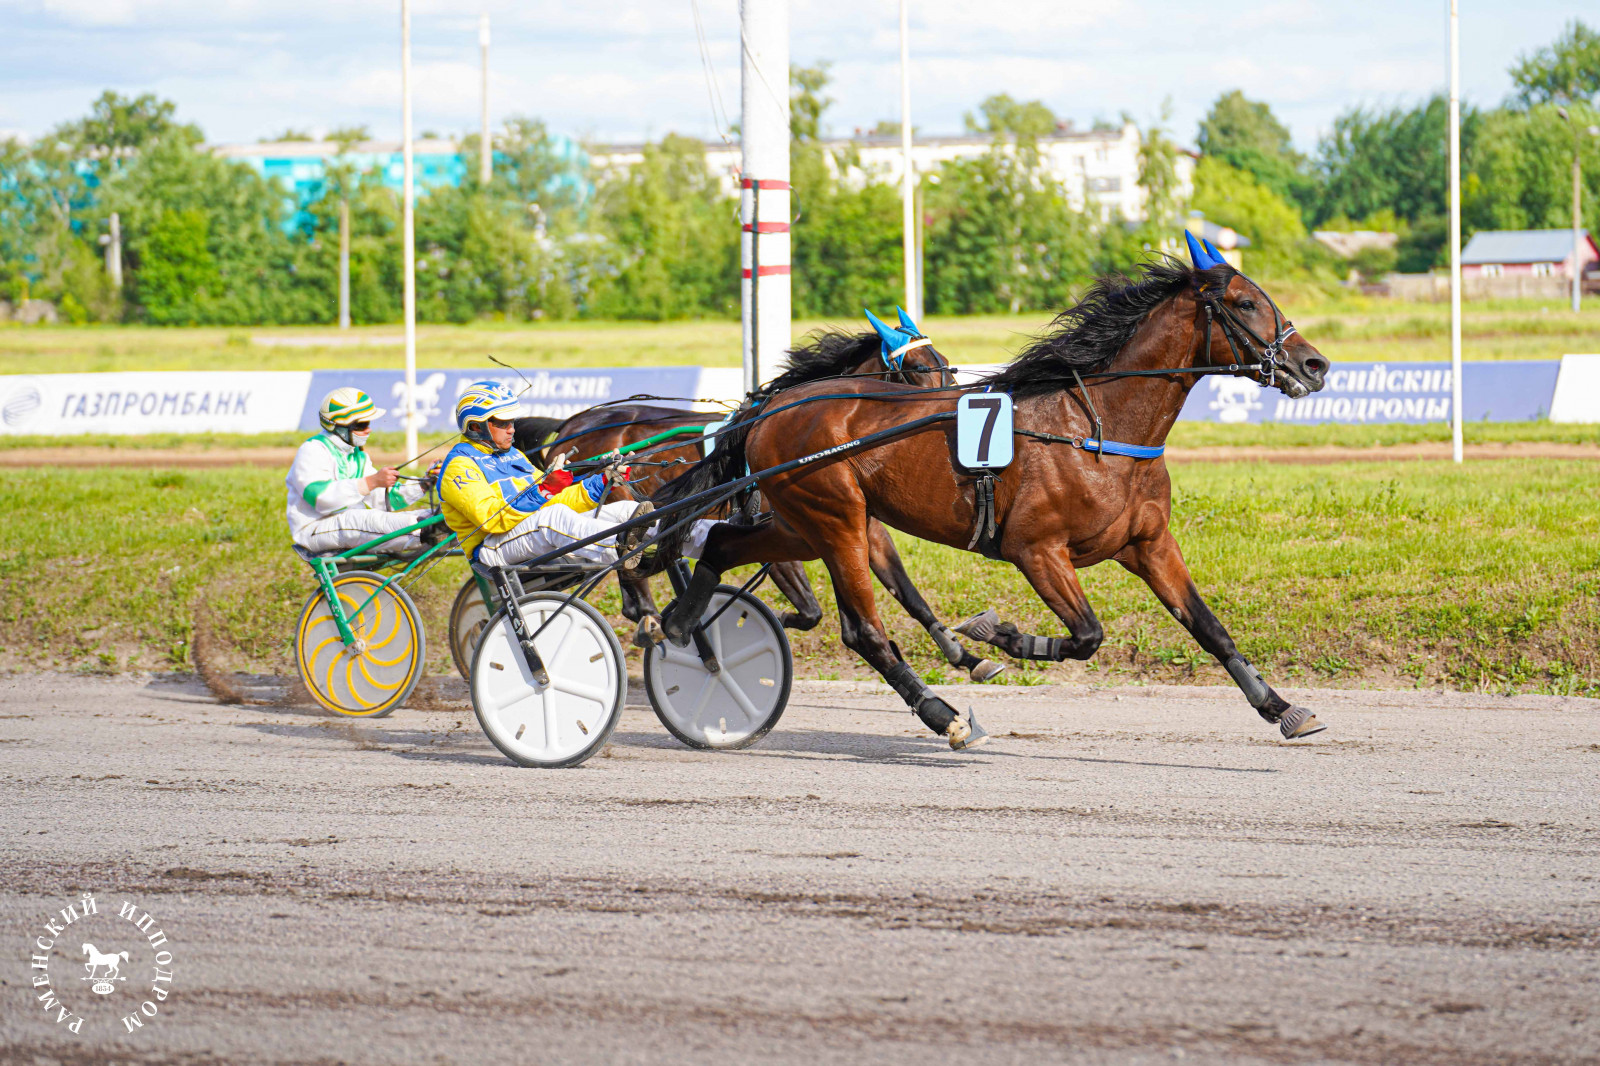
column 210, row 241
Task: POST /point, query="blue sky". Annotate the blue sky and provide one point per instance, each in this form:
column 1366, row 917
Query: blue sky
column 626, row 69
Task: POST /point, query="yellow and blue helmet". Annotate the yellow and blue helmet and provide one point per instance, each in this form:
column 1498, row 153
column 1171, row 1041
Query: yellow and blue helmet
column 484, row 400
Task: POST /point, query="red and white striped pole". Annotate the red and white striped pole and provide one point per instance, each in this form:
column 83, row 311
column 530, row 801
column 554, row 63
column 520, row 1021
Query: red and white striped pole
column 764, row 209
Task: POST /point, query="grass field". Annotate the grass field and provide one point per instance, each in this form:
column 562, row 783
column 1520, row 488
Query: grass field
column 1350, row 329
column 1485, row 577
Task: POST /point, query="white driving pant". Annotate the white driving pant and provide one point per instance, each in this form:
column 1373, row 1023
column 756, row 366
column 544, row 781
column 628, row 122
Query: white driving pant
column 352, row 528
column 554, row 526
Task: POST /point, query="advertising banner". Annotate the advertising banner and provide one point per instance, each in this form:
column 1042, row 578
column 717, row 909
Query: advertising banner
column 1384, row 392
column 153, row 402
column 1577, row 390
column 547, row 393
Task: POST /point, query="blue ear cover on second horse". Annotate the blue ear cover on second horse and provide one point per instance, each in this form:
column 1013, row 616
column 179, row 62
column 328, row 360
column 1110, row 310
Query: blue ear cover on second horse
column 1215, row 255
column 907, row 324
column 892, row 338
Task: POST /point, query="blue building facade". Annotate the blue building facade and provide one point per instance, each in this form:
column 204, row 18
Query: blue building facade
column 301, row 167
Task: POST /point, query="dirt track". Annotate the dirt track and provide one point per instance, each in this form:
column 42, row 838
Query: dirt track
column 1134, row 875
column 280, row 457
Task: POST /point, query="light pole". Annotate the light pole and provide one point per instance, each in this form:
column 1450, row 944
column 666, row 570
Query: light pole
column 909, row 177
column 765, row 215
column 1577, row 206
column 485, row 151
column 1457, row 448
column 408, row 231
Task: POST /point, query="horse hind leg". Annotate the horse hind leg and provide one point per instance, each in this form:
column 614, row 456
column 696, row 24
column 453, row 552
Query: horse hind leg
column 796, row 588
column 891, row 573
column 862, row 632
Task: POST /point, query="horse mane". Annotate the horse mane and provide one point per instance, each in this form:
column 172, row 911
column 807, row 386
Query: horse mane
column 825, row 354
column 1089, row 334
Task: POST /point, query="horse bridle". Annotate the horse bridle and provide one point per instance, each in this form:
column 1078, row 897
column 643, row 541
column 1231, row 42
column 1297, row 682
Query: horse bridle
column 1269, row 357
column 895, row 361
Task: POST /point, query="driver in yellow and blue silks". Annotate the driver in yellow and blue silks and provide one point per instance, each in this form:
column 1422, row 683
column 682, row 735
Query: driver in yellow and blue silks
column 505, row 511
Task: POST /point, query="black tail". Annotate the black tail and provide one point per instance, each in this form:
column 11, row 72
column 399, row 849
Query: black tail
column 533, row 433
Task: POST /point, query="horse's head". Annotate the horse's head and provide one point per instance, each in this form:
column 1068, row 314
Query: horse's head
column 1243, row 326
column 906, row 355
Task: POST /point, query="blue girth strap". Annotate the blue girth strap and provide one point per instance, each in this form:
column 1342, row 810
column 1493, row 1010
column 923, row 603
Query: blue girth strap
column 1116, row 447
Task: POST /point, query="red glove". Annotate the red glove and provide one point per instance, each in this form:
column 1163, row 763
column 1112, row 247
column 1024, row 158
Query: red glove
column 555, row 481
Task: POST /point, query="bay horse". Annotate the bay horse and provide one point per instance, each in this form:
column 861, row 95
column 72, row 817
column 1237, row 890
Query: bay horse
column 888, row 353
column 1069, row 499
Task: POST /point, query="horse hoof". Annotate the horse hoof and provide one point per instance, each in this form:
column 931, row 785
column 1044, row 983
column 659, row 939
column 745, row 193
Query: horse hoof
column 1298, row 723
column 965, row 732
column 980, row 626
column 649, row 633
column 985, row 670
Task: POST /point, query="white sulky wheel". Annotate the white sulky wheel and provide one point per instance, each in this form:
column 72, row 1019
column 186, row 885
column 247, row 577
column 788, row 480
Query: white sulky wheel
column 376, row 674
column 737, row 706
column 568, row 720
column 468, row 617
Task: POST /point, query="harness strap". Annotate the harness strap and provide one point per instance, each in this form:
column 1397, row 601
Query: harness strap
column 984, row 526
column 894, row 358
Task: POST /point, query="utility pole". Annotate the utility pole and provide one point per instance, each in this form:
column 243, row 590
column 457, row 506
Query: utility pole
column 1456, row 447
column 344, row 263
column 408, row 231
column 909, row 178
column 764, row 211
column 485, row 150
column 114, row 252
column 1577, row 206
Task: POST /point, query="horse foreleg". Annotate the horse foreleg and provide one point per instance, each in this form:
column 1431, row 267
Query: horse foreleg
column 1051, row 573
column 796, row 588
column 1159, row 564
column 891, row 573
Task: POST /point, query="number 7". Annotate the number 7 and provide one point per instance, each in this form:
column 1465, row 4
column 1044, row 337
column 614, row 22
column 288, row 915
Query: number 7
column 992, row 405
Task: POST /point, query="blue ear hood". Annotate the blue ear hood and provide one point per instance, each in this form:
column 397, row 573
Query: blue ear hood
column 907, row 324
column 1204, row 258
column 892, row 338
column 1216, row 255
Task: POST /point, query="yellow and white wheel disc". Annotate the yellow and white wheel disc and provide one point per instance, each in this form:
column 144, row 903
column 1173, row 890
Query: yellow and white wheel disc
column 377, row 673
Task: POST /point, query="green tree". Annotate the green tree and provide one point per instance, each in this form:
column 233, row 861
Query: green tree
column 1232, row 197
column 1567, row 71
column 179, row 279
column 120, row 122
column 1246, row 135
column 1236, row 122
column 673, row 236
column 1000, row 114
column 846, row 236
column 1519, row 174
column 1002, row 236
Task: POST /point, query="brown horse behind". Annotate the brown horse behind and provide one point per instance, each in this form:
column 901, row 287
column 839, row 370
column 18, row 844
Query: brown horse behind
column 822, row 360
column 1058, row 505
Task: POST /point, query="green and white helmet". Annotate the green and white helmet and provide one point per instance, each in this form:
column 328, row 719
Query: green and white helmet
column 345, row 406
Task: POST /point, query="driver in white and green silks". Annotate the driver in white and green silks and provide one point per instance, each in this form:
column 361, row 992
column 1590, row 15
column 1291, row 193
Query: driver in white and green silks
column 338, row 498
